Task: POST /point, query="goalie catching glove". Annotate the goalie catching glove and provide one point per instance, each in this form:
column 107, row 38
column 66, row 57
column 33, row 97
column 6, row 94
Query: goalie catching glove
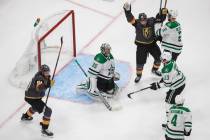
column 155, row 86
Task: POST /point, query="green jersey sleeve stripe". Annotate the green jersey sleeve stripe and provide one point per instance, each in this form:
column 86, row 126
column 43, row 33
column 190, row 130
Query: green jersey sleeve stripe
column 171, row 44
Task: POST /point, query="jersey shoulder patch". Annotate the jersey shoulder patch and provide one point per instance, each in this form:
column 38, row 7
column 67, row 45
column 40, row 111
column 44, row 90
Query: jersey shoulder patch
column 168, row 67
column 100, row 58
column 172, row 25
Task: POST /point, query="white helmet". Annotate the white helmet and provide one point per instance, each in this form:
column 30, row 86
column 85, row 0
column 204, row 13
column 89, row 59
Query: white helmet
column 166, row 56
column 104, row 46
column 172, row 14
column 179, row 99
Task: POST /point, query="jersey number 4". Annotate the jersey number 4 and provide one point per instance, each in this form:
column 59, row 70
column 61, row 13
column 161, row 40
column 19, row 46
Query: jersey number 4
column 174, row 119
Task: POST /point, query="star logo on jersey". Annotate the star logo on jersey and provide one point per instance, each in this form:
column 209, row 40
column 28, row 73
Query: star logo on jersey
column 147, row 32
column 111, row 70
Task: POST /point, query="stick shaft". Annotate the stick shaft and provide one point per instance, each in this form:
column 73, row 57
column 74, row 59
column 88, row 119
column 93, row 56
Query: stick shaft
column 54, row 70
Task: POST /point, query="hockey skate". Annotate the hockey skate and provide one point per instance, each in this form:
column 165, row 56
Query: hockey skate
column 156, row 72
column 25, row 117
column 137, row 79
column 164, row 126
column 45, row 131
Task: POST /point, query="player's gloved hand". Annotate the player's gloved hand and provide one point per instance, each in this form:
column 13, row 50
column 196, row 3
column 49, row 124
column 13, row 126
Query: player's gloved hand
column 39, row 85
column 116, row 76
column 164, row 11
column 52, row 82
column 187, row 133
column 155, row 86
column 127, row 7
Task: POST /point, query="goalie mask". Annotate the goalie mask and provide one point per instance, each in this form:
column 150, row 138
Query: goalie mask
column 105, row 49
column 166, row 57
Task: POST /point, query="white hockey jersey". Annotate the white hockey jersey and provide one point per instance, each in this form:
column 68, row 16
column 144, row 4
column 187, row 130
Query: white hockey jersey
column 172, row 76
column 179, row 120
column 103, row 66
column 171, row 34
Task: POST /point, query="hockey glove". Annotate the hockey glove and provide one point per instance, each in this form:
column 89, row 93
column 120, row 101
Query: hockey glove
column 164, row 11
column 155, row 86
column 52, row 82
column 116, row 76
column 127, row 7
column 187, row 133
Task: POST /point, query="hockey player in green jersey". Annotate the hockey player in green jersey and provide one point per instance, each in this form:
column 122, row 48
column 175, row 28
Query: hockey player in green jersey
column 101, row 75
column 179, row 122
column 172, row 78
column 171, row 34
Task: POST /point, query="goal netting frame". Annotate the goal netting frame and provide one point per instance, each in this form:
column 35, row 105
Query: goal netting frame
column 31, row 60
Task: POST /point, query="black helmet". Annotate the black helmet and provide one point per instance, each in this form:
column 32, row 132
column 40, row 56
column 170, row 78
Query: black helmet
column 142, row 16
column 44, row 68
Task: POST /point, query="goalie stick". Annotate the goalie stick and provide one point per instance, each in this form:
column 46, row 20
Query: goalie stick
column 105, row 102
column 129, row 95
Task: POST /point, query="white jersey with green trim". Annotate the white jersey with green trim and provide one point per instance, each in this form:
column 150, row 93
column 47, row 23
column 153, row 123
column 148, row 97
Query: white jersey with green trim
column 103, row 66
column 171, row 34
column 172, row 76
column 179, row 120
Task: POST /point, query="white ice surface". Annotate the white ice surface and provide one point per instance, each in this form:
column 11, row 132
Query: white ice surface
column 98, row 21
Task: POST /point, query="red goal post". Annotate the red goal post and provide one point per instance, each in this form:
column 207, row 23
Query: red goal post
column 44, row 45
column 42, row 38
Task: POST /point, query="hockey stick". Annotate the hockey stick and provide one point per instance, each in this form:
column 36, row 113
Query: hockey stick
column 160, row 6
column 108, row 106
column 129, row 95
column 165, row 3
column 54, row 69
column 81, row 67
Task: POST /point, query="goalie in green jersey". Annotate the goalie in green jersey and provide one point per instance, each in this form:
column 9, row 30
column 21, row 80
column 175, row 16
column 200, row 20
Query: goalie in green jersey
column 101, row 75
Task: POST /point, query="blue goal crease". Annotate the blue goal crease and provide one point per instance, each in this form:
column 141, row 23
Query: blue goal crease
column 71, row 75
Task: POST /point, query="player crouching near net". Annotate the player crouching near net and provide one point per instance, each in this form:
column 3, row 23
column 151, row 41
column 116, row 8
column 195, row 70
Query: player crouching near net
column 34, row 94
column 101, row 76
column 172, row 78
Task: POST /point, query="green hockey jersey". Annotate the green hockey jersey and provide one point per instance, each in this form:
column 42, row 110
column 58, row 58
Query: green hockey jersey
column 179, row 120
column 103, row 66
column 172, row 76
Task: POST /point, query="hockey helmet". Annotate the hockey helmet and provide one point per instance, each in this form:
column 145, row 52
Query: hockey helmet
column 166, row 56
column 172, row 14
column 105, row 46
column 179, row 100
column 142, row 16
column 45, row 69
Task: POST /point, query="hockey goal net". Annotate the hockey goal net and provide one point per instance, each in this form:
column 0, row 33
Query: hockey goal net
column 44, row 46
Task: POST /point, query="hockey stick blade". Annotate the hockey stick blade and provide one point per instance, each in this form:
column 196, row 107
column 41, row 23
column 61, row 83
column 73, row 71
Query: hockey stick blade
column 129, row 95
